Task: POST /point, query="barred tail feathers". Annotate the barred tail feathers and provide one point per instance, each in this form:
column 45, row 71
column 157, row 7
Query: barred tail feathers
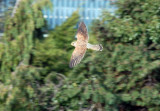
column 98, row 47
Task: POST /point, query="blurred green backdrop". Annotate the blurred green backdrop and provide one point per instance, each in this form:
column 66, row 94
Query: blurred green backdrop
column 34, row 72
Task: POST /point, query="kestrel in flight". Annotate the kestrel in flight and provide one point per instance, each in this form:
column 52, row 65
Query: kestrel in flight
column 81, row 45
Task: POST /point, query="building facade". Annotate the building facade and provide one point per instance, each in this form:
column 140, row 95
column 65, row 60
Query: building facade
column 88, row 10
column 63, row 9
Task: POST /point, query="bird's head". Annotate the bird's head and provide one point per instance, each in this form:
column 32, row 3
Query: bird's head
column 73, row 43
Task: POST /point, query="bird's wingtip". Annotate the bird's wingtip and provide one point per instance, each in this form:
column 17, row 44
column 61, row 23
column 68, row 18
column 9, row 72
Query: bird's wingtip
column 70, row 66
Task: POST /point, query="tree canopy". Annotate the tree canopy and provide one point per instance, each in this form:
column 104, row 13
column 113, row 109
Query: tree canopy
column 34, row 71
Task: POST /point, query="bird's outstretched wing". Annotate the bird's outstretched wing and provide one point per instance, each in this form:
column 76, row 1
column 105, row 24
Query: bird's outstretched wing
column 82, row 33
column 77, row 55
column 81, row 45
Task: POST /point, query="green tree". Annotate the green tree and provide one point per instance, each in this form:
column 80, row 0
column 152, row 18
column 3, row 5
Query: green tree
column 136, row 22
column 125, row 75
column 17, row 77
column 54, row 52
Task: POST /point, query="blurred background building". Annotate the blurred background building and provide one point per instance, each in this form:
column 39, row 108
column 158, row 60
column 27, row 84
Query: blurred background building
column 88, row 10
column 62, row 9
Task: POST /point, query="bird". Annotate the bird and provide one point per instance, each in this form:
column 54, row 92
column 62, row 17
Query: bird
column 81, row 45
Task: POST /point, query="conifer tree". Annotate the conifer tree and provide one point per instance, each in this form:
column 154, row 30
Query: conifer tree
column 125, row 75
column 16, row 75
column 54, row 52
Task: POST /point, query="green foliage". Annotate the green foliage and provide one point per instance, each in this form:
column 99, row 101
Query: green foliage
column 1, row 49
column 123, row 74
column 20, row 93
column 123, row 77
column 130, row 64
column 19, row 34
column 17, row 77
column 53, row 53
column 136, row 22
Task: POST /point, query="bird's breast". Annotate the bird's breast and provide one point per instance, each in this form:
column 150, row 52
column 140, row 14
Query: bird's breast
column 81, row 43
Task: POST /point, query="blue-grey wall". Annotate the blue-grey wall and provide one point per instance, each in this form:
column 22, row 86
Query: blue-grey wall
column 88, row 10
column 5, row 5
column 62, row 9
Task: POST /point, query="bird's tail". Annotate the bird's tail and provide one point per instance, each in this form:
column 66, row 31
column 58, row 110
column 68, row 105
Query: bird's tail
column 98, row 47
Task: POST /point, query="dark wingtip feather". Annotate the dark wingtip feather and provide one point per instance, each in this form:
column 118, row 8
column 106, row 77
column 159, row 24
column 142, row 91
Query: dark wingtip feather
column 75, row 62
column 71, row 65
column 82, row 27
column 81, row 23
